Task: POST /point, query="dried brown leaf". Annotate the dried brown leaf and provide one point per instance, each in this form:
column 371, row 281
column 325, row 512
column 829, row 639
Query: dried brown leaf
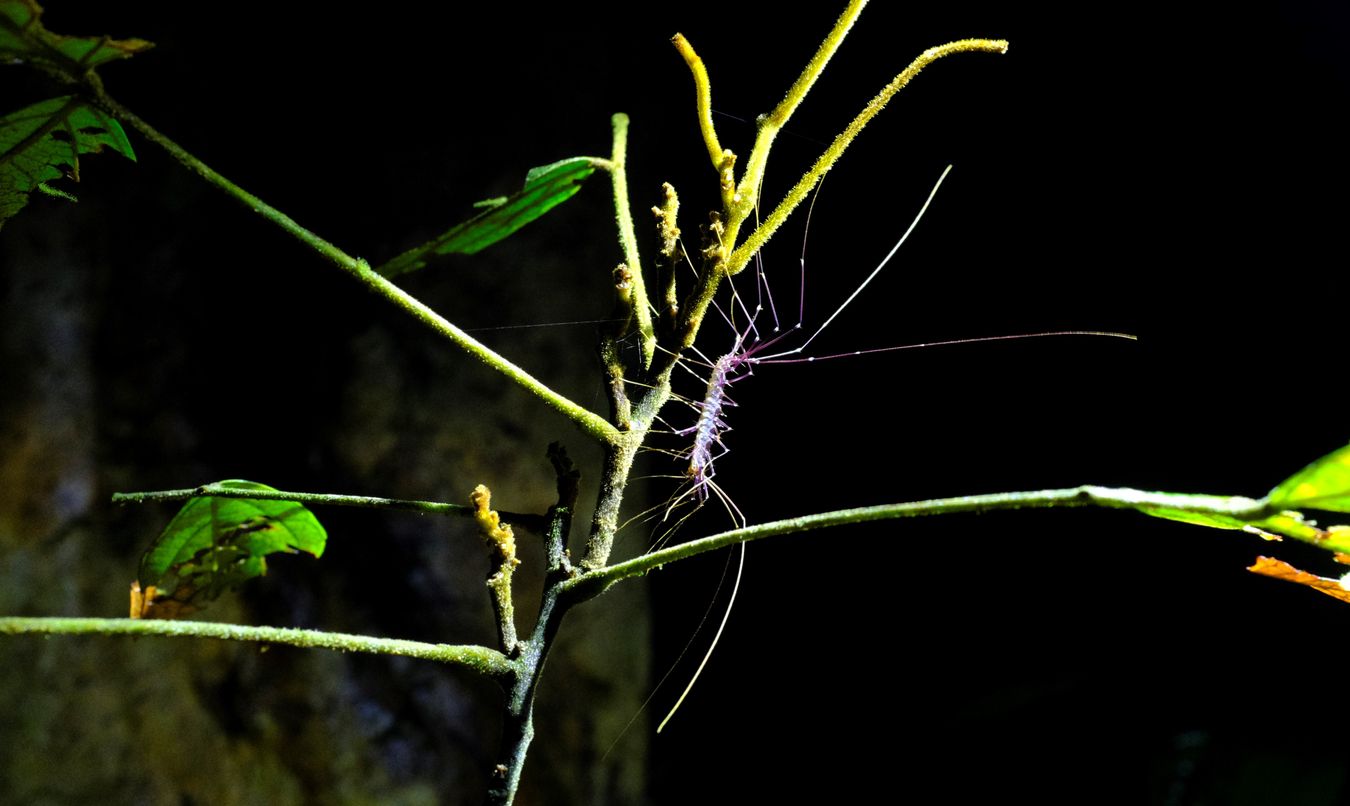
column 1279, row 569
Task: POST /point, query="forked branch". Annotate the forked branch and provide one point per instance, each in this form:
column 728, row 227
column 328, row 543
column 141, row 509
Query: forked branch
column 756, row 240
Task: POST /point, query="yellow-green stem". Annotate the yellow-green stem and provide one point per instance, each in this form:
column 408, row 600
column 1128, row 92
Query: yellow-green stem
column 756, row 240
column 618, row 172
column 588, row 421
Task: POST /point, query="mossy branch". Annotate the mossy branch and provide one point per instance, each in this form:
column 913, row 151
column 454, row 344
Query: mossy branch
column 480, row 659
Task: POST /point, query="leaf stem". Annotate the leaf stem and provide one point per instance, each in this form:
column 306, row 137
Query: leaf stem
column 480, row 659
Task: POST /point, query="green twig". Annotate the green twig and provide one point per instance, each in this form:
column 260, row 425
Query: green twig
column 596, row 581
column 285, row 222
column 747, row 192
column 533, row 522
column 588, row 421
column 702, row 100
column 618, row 172
column 480, row 659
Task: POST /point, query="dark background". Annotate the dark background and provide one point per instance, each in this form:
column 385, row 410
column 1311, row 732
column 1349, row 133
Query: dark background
column 1172, row 174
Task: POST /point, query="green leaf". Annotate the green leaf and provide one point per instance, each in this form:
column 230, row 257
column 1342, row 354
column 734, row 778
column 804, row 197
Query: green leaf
column 44, row 142
column 546, row 187
column 1286, row 524
column 1293, row 524
column 1324, row 484
column 214, row 543
column 24, row 40
column 1199, row 519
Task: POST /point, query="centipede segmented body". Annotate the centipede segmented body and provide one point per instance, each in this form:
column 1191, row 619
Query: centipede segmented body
column 710, row 426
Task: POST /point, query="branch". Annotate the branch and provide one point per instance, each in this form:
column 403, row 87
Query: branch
column 503, row 542
column 703, row 99
column 533, row 522
column 332, row 253
column 588, row 421
column 826, row 161
column 618, row 172
column 774, row 121
column 1233, row 507
column 480, row 659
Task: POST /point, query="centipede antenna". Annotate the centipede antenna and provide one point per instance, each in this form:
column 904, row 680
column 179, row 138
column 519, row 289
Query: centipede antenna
column 740, row 567
column 763, row 292
column 806, row 230
column 948, row 343
column 875, row 271
column 702, row 356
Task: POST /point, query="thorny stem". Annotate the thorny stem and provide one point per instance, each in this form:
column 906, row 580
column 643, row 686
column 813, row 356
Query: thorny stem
column 1246, row 509
column 480, row 659
column 593, row 424
column 532, row 522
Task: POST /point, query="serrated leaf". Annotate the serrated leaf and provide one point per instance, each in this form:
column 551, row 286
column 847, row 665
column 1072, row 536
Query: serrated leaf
column 24, row 40
column 43, row 142
column 546, row 187
column 214, row 544
column 1324, row 484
